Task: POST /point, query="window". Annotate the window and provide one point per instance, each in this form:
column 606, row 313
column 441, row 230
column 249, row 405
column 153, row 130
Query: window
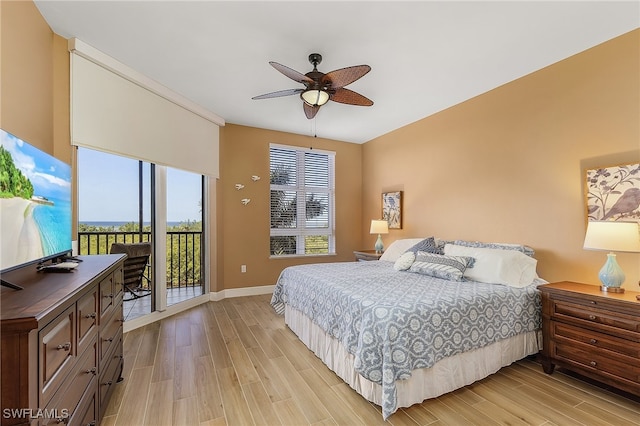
column 302, row 201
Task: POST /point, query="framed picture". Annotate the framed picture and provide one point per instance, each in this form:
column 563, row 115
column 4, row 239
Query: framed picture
column 392, row 209
column 613, row 193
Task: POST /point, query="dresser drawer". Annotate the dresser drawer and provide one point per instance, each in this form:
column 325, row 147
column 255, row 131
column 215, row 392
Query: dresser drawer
column 110, row 374
column 87, row 315
column 57, row 351
column 107, row 296
column 86, row 413
column 118, row 281
column 58, row 416
column 588, row 315
column 570, row 333
column 111, row 330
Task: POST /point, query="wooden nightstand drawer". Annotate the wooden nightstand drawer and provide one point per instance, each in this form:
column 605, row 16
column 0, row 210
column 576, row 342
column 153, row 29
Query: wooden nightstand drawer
column 599, row 360
column 567, row 333
column 589, row 315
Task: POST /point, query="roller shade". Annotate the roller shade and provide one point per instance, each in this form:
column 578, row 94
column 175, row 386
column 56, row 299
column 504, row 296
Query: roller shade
column 117, row 110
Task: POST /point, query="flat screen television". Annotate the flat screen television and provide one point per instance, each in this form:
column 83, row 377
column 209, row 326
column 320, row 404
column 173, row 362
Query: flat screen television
column 35, row 205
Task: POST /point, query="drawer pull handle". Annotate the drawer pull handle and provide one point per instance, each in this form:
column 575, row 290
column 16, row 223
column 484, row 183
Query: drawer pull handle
column 92, row 423
column 91, row 315
column 593, row 363
column 592, row 317
column 108, row 296
column 593, row 341
column 593, row 302
column 110, row 339
column 109, row 383
column 64, row 346
column 64, row 420
column 91, row 371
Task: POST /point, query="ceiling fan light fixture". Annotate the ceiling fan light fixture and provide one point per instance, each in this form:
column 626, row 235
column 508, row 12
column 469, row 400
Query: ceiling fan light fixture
column 315, row 97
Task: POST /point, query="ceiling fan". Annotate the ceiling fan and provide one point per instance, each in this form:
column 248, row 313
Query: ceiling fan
column 320, row 88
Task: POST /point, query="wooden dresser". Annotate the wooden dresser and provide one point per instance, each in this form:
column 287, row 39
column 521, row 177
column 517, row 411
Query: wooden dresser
column 61, row 342
column 591, row 332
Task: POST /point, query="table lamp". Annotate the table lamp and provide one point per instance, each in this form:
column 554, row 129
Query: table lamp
column 612, row 236
column 379, row 227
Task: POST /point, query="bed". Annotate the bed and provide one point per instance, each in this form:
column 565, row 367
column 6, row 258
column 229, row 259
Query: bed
column 415, row 325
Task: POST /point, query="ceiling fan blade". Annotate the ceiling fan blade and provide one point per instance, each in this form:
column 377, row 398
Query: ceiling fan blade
column 292, row 74
column 346, row 96
column 279, row 93
column 310, row 111
column 343, row 76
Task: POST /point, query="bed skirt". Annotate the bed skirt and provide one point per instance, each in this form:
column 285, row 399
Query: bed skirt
column 445, row 376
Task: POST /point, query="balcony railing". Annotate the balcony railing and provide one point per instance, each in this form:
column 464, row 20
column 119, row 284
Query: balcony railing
column 184, row 248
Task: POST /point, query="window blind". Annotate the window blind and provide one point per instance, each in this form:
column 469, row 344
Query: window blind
column 117, row 110
column 301, row 201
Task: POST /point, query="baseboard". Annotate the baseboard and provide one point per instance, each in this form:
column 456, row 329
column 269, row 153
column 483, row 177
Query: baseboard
column 188, row 304
column 240, row 292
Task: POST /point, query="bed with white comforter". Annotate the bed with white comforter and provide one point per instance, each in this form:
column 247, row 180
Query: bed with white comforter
column 400, row 333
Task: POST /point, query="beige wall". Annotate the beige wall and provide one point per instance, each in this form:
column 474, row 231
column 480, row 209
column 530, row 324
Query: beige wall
column 26, row 78
column 34, row 80
column 244, row 230
column 507, row 166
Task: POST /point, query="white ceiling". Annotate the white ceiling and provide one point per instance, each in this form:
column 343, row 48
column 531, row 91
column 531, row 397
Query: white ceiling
column 425, row 56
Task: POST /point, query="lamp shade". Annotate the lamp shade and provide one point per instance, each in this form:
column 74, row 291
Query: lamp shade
column 379, row 227
column 613, row 236
column 315, row 97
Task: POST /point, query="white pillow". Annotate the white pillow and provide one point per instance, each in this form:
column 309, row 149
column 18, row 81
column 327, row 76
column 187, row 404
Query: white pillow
column 398, row 247
column 405, row 261
column 495, row 266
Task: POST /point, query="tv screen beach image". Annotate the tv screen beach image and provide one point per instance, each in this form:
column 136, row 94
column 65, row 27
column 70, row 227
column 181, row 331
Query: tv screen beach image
column 35, row 203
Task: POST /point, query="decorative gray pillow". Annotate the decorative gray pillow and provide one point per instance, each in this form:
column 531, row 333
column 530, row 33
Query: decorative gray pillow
column 500, row 246
column 427, row 245
column 440, row 266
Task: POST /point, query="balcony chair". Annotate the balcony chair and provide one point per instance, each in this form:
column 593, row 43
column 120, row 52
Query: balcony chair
column 134, row 267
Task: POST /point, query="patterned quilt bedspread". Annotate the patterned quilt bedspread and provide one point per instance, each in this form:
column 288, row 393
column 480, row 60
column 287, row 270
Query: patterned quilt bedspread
column 394, row 322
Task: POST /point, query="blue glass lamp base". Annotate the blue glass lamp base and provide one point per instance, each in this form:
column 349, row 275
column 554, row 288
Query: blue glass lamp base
column 379, row 246
column 611, row 275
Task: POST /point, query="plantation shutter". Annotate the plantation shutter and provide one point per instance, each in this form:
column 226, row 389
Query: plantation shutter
column 302, row 200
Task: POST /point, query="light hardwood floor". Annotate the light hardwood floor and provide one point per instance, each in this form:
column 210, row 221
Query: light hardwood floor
column 235, row 362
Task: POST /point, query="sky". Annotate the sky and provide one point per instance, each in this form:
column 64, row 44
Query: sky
column 108, row 191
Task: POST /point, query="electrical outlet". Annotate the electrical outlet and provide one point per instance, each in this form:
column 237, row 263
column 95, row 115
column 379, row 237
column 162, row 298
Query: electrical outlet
column 243, row 268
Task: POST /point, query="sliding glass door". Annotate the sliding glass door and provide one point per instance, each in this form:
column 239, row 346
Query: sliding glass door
column 123, row 200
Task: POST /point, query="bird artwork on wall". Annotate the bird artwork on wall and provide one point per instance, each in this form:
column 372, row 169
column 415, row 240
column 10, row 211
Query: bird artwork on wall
column 245, row 201
column 628, row 202
column 255, row 178
column 239, row 186
column 613, row 193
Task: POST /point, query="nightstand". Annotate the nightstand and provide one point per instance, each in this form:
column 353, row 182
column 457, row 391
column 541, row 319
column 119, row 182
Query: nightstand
column 362, row 255
column 593, row 333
